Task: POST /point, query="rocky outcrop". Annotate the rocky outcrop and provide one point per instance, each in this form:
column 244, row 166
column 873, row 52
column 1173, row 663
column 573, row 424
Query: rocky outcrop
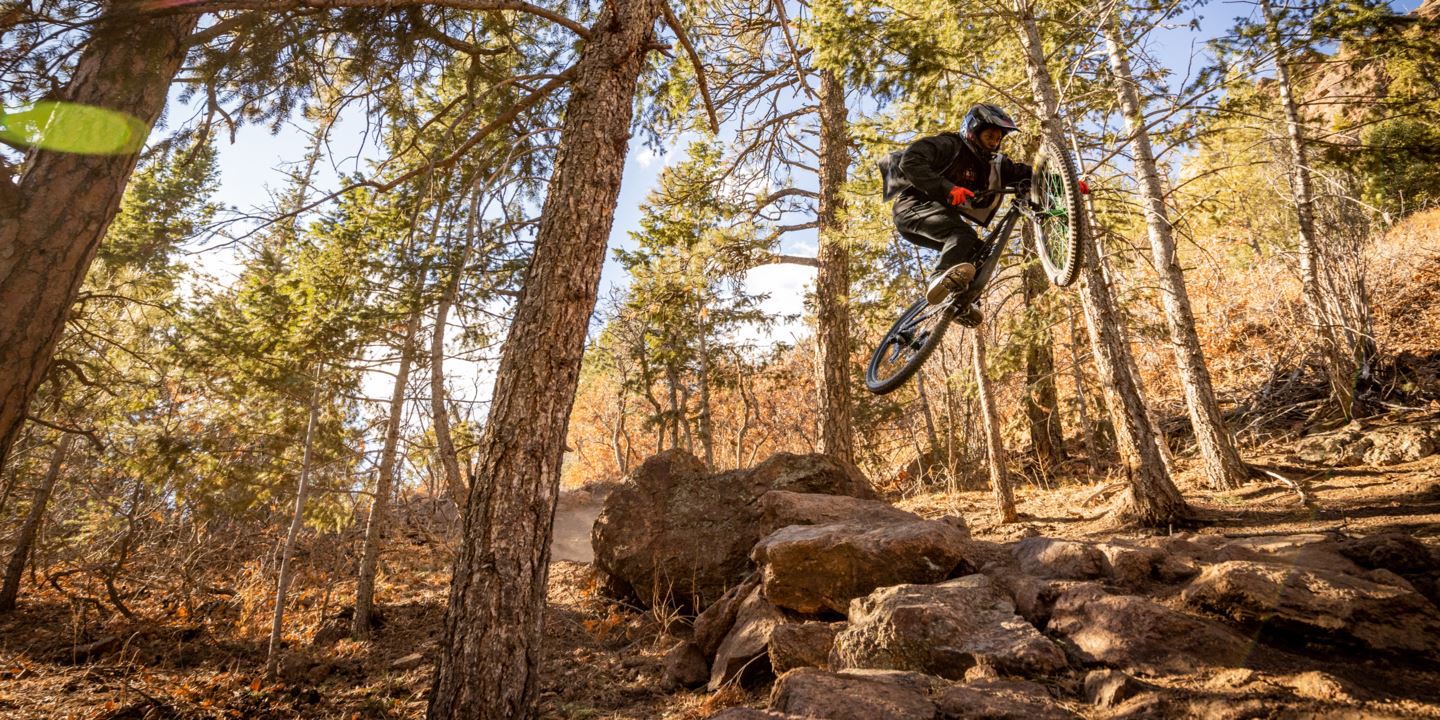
column 1354, row 444
column 1318, row 605
column 675, row 533
column 1059, row 559
column 815, row 568
column 943, row 630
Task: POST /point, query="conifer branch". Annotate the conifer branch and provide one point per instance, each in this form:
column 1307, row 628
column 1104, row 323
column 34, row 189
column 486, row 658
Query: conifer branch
column 674, row 24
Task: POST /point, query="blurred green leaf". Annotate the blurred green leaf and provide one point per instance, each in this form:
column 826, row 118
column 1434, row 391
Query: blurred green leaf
column 73, row 128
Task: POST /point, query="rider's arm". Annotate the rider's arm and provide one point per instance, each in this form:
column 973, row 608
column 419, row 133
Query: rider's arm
column 1013, row 172
column 925, row 160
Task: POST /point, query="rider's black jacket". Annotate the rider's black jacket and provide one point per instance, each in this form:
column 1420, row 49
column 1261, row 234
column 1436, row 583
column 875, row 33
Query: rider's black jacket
column 928, row 169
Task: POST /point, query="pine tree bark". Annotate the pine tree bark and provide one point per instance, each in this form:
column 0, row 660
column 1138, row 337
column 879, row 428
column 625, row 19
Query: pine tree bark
column 10, row 589
column 53, row 220
column 439, row 414
column 1222, row 464
column 832, row 284
column 994, row 443
column 491, row 649
column 1153, row 500
column 361, row 621
column 1042, row 408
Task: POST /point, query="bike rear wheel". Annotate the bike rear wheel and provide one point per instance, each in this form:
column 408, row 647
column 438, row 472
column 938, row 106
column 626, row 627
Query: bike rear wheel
column 1059, row 215
column 907, row 344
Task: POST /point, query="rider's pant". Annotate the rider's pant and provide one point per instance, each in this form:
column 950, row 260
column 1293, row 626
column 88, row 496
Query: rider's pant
column 938, row 227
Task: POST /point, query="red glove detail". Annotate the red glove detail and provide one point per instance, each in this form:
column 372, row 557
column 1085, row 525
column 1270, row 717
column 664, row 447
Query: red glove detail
column 1084, row 189
column 960, row 195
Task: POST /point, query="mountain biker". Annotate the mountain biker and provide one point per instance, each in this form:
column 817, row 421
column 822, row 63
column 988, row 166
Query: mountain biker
column 944, row 182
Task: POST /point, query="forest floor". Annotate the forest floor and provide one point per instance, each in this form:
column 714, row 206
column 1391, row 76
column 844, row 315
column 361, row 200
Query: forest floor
column 60, row 658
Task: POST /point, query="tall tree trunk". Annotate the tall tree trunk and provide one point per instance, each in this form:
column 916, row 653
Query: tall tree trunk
column 52, row 222
column 1042, row 410
column 297, row 521
column 705, row 422
column 1092, row 441
column 16, row 567
column 490, row 653
column 1223, row 466
column 832, row 284
column 674, row 414
column 439, row 414
column 385, row 478
column 1343, row 360
column 994, row 443
column 1153, row 498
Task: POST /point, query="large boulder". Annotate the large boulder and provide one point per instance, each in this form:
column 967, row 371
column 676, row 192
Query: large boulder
column 675, row 533
column 854, row 695
column 1395, row 552
column 943, row 630
column 814, row 568
column 1135, row 633
column 1319, row 605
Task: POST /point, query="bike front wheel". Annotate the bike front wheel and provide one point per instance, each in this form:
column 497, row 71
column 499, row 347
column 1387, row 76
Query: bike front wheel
column 1059, row 214
column 907, row 344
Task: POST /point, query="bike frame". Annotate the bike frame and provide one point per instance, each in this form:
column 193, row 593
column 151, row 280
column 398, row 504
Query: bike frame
column 993, row 247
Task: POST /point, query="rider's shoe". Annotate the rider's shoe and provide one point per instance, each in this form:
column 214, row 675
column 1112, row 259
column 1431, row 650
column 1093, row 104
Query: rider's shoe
column 971, row 317
column 956, row 277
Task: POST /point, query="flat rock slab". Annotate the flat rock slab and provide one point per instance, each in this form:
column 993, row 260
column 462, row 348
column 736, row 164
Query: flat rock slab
column 1000, row 700
column 1136, row 633
column 804, row 644
column 1319, row 605
column 743, row 655
column 852, row 695
column 781, row 508
column 943, row 630
column 814, row 568
column 1059, row 559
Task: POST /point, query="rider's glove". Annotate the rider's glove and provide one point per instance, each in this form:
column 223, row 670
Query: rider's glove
column 960, row 195
column 1084, row 189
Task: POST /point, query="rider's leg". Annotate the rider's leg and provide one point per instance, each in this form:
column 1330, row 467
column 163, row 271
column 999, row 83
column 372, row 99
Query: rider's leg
column 942, row 228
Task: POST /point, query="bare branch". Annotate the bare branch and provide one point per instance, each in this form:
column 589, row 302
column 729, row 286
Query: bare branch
column 674, row 24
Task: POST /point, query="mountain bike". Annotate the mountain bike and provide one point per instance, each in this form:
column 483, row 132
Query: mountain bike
column 1050, row 202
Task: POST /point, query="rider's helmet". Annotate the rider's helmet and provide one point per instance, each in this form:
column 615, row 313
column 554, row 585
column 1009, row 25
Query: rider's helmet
column 982, row 116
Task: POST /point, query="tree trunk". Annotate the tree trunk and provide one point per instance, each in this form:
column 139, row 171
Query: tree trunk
column 1343, row 361
column 16, row 567
column 1154, row 500
column 385, row 477
column 490, row 653
column 832, row 284
column 675, row 415
column 705, row 429
column 1092, row 442
column 439, row 415
column 994, row 443
column 1042, row 410
column 52, row 222
column 1223, row 467
column 297, row 520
